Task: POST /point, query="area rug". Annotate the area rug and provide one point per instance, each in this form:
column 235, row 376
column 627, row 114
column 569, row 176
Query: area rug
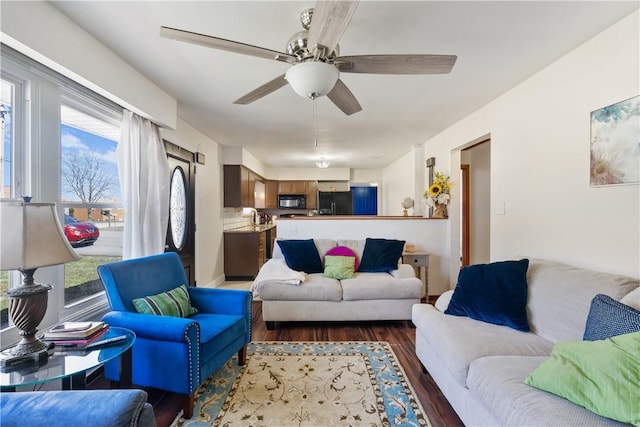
column 309, row 384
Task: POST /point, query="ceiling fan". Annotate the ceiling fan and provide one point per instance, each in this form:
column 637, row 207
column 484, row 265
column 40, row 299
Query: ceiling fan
column 315, row 57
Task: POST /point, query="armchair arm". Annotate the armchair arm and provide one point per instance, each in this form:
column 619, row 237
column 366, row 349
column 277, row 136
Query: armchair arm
column 163, row 328
column 223, row 301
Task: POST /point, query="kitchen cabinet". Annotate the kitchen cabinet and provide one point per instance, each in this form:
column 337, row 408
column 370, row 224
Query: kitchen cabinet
column 271, row 193
column 244, row 254
column 239, row 186
column 292, row 187
column 312, row 194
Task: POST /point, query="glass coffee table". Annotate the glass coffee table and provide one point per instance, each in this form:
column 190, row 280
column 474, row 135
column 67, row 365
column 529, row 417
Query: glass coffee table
column 71, row 366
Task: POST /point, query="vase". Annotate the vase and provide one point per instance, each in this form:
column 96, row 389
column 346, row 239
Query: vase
column 440, row 211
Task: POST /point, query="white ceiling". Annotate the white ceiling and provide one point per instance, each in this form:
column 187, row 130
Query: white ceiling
column 498, row 44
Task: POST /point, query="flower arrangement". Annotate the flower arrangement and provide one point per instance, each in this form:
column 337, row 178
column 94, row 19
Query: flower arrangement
column 438, row 193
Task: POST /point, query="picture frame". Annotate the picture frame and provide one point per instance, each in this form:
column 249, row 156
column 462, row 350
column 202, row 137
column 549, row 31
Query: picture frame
column 615, row 144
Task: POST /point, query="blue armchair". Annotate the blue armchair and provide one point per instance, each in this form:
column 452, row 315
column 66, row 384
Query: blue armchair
column 175, row 353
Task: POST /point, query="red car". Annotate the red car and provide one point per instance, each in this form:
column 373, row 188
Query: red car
column 80, row 233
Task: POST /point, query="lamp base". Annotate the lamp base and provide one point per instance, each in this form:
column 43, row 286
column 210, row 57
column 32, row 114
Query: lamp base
column 8, row 359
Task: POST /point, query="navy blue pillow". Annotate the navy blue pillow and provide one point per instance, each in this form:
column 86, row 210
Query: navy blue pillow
column 493, row 293
column 301, row 255
column 381, row 255
column 608, row 318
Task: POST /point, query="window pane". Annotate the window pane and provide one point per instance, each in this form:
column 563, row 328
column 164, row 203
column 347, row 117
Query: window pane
column 6, row 174
column 91, row 196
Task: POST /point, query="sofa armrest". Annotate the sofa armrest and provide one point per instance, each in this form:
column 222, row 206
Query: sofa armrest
column 163, row 328
column 404, row 271
column 95, row 408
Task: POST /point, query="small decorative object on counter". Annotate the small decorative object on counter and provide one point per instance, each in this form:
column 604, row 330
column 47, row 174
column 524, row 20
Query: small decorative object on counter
column 407, row 203
column 437, row 196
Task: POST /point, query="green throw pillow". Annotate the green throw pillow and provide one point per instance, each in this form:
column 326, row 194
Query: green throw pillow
column 602, row 376
column 339, row 267
column 175, row 302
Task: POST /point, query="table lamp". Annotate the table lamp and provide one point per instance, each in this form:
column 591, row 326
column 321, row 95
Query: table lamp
column 31, row 237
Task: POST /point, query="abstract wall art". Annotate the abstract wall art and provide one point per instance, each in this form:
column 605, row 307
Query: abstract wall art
column 615, row 143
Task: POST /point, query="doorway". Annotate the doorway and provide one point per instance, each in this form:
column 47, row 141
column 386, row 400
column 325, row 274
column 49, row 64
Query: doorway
column 475, row 218
column 181, row 228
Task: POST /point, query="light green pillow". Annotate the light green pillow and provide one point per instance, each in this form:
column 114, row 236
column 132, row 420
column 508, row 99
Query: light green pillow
column 602, row 376
column 339, row 267
column 175, row 302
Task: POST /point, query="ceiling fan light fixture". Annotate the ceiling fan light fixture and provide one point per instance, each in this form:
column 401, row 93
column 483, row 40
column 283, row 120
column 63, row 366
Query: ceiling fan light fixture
column 312, row 79
column 323, row 163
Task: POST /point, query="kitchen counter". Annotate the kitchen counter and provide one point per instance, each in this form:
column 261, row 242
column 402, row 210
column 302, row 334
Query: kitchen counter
column 251, row 228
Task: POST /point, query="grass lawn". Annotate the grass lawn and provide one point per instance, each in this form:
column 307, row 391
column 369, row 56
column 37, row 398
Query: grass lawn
column 75, row 273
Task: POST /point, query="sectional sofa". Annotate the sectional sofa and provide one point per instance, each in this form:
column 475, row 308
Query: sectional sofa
column 481, row 367
column 385, row 291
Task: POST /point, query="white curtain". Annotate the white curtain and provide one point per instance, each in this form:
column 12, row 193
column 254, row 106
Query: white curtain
column 144, row 180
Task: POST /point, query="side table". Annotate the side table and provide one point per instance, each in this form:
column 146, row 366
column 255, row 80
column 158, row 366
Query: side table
column 420, row 263
column 71, row 366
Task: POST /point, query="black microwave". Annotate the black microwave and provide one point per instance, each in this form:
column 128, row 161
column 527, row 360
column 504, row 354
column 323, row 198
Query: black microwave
column 292, row 201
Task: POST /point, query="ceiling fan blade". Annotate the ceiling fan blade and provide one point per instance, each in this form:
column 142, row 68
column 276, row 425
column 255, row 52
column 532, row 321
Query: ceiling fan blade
column 396, row 64
column 224, row 44
column 330, row 20
column 344, row 99
column 263, row 90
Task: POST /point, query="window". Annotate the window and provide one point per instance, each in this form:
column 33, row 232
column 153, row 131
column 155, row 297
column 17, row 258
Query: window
column 90, row 196
column 46, row 116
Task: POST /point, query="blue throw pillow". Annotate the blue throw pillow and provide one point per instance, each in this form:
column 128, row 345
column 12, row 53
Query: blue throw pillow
column 493, row 293
column 381, row 255
column 301, row 255
column 608, row 318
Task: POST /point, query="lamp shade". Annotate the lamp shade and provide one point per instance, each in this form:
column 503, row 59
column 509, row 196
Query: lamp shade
column 312, row 79
column 32, row 236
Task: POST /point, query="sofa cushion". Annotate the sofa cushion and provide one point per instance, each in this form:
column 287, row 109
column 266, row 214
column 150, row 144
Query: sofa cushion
column 381, row 255
column 369, row 286
column 498, row 382
column 339, row 267
column 314, row 288
column 494, row 293
column 357, row 246
column 344, row 251
column 175, row 302
column 632, row 299
column 458, row 341
column 301, row 255
column 601, row 376
column 560, row 297
column 608, row 318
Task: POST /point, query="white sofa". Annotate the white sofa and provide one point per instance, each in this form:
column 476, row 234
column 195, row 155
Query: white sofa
column 367, row 296
column 480, row 367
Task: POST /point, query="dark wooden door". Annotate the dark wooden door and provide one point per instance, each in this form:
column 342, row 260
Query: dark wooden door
column 181, row 229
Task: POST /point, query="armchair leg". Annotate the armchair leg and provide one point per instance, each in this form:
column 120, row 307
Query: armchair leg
column 242, row 356
column 188, row 403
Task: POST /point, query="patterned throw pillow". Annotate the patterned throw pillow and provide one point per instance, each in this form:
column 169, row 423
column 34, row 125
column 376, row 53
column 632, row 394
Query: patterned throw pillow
column 175, row 302
column 608, row 318
column 339, row 267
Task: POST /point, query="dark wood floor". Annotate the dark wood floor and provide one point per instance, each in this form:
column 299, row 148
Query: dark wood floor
column 398, row 334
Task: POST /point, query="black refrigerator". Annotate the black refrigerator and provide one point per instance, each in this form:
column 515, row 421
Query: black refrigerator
column 335, row 203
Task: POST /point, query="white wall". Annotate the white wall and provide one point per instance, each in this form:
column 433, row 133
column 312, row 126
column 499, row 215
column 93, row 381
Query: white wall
column 399, row 183
column 540, row 161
